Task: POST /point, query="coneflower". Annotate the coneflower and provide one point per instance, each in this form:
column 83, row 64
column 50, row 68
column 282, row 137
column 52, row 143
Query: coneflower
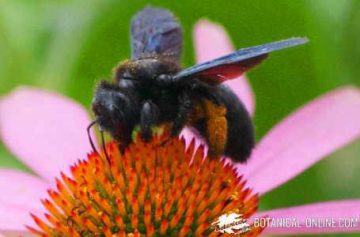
column 47, row 132
column 150, row 190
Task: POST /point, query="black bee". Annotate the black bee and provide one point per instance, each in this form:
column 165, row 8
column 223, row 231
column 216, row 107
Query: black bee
column 152, row 89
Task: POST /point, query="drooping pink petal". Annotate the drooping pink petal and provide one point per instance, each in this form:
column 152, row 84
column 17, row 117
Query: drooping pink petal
column 21, row 190
column 212, row 41
column 45, row 130
column 189, row 134
column 337, row 216
column 20, row 196
column 14, row 218
column 16, row 234
column 303, row 138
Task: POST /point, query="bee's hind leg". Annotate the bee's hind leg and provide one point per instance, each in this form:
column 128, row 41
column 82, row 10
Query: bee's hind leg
column 216, row 128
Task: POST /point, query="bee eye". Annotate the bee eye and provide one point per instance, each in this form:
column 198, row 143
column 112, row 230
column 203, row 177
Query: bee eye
column 127, row 76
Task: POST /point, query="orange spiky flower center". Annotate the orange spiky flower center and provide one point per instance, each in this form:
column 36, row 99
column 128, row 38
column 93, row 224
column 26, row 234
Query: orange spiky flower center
column 151, row 190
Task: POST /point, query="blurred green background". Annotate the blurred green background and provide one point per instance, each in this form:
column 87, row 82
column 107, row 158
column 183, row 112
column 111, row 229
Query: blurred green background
column 66, row 46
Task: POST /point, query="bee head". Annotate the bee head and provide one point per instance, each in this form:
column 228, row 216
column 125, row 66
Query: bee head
column 113, row 108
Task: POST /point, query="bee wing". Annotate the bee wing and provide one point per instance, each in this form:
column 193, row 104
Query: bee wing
column 233, row 65
column 155, row 31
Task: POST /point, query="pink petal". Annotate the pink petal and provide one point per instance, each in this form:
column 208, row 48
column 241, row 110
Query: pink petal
column 336, row 213
column 20, row 196
column 212, row 41
column 304, row 138
column 188, row 134
column 16, row 234
column 15, row 218
column 21, row 190
column 45, row 130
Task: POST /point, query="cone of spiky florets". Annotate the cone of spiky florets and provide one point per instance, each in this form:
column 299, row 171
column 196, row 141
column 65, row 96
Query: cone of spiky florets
column 153, row 189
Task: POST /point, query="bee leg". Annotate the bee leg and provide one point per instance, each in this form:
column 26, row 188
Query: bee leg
column 124, row 138
column 185, row 106
column 148, row 117
column 216, row 128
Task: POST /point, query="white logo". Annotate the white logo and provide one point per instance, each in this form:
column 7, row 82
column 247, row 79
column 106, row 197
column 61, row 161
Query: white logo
column 231, row 223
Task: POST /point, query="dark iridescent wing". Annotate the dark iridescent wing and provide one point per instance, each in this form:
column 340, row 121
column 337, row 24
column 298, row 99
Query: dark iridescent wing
column 233, row 65
column 155, row 31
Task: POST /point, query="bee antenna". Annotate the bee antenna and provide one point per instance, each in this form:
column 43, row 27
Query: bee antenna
column 104, row 147
column 89, row 136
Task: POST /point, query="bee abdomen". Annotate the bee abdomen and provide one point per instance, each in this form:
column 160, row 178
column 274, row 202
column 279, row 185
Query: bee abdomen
column 240, row 137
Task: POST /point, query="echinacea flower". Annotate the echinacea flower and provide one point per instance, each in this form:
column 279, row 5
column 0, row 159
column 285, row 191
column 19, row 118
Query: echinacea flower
column 47, row 132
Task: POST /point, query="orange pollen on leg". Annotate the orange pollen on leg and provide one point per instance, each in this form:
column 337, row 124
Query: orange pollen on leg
column 151, row 190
